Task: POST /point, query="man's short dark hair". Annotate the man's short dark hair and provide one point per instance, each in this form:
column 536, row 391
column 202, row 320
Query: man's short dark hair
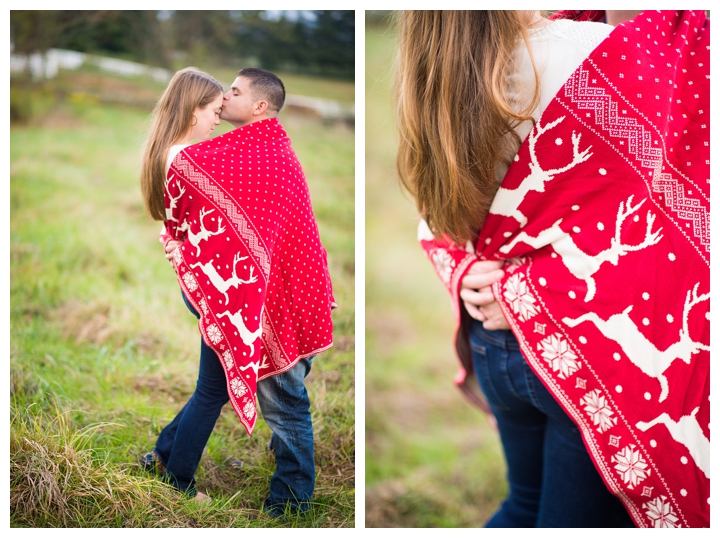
column 265, row 85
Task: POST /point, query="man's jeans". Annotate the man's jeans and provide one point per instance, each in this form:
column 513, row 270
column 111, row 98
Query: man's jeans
column 285, row 406
column 552, row 480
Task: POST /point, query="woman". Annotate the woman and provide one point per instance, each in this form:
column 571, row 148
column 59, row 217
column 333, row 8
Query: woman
column 470, row 87
column 188, row 111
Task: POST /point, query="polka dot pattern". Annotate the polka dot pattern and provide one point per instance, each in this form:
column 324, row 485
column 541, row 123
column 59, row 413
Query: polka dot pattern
column 252, row 249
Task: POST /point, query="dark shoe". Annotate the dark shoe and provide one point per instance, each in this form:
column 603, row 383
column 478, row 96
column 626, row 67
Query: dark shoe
column 151, row 462
column 281, row 510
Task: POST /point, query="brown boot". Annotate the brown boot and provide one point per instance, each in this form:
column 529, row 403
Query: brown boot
column 151, row 462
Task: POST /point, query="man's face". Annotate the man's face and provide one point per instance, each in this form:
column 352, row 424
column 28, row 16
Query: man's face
column 238, row 103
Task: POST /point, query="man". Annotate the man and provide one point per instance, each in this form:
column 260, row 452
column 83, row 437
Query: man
column 255, row 95
column 269, row 204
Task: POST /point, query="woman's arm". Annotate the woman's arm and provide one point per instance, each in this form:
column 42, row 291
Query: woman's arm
column 465, row 277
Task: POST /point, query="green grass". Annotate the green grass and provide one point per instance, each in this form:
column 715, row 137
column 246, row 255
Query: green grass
column 431, row 459
column 103, row 352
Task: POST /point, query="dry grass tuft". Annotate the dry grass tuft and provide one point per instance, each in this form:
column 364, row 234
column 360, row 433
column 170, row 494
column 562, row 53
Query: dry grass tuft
column 55, row 479
column 381, row 505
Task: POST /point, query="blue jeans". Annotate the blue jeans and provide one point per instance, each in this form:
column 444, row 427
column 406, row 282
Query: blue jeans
column 285, row 406
column 552, row 480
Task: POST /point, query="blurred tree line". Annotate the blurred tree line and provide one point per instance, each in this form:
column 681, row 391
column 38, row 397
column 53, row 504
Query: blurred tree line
column 320, row 42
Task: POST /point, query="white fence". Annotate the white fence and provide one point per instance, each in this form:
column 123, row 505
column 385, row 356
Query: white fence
column 48, row 64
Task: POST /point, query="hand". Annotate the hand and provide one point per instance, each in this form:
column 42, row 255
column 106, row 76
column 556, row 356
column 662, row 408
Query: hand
column 477, row 296
column 170, row 247
column 493, row 314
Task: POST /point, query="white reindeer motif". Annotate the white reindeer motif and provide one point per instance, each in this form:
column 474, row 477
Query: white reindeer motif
column 687, row 432
column 173, row 200
column 248, row 337
column 506, row 201
column 204, row 233
column 580, row 264
column 256, row 366
column 643, row 353
column 219, row 282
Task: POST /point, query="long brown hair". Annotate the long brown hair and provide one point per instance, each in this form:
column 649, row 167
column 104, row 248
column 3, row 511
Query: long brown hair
column 189, row 88
column 454, row 114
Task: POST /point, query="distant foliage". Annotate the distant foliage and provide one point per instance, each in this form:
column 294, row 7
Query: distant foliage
column 134, row 35
column 317, row 42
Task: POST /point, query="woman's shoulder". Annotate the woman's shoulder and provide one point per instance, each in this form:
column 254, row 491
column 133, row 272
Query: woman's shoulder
column 587, row 34
column 172, row 152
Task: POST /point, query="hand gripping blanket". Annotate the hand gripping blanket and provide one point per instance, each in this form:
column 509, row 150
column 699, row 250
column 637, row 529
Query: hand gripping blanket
column 251, row 261
column 604, row 220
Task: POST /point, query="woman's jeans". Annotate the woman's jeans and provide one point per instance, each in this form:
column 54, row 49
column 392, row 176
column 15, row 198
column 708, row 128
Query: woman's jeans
column 552, row 480
column 285, row 406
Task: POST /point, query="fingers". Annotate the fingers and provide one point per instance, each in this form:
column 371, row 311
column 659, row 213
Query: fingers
column 170, row 246
column 496, row 324
column 474, row 312
column 484, row 266
column 477, row 298
column 477, row 281
column 495, row 319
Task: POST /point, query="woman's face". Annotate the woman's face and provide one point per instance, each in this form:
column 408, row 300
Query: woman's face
column 207, row 118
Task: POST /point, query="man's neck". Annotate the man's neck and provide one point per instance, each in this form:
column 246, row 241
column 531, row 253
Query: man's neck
column 254, row 120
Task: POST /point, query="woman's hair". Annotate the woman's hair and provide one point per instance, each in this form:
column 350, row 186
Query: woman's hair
column 171, row 121
column 454, row 112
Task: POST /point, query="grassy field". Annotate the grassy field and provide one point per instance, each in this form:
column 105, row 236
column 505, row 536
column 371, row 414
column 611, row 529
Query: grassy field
column 431, row 459
column 103, row 352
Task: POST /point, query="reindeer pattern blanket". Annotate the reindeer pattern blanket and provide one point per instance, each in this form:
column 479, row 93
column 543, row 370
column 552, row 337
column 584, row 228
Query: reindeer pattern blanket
column 603, row 219
column 251, row 261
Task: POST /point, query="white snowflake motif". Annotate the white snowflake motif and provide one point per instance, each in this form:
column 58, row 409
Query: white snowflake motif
column 190, row 281
column 238, row 387
column 444, row 264
column 249, row 409
column 228, row 358
column 661, row 513
column 557, row 353
column 203, row 306
column 520, row 298
column 631, row 466
column 214, row 333
column 598, row 410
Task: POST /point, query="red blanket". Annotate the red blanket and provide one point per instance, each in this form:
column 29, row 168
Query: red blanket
column 251, row 261
column 604, row 218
